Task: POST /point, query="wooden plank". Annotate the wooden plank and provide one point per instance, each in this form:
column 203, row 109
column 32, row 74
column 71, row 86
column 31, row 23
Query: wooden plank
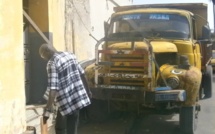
column 32, row 107
column 32, row 23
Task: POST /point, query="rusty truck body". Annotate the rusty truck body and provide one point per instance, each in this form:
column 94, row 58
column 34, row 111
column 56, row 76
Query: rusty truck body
column 154, row 56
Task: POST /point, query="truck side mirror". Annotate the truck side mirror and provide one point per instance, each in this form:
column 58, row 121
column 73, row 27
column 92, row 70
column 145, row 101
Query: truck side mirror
column 106, row 27
column 206, row 33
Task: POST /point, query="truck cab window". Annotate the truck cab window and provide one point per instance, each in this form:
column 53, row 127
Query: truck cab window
column 163, row 25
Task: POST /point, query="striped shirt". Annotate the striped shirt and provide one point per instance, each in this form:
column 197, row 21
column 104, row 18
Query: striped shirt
column 64, row 76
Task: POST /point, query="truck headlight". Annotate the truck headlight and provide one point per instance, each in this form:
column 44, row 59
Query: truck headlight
column 173, row 82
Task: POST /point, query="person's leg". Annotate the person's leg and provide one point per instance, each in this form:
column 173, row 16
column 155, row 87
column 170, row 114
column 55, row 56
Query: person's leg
column 72, row 123
column 60, row 125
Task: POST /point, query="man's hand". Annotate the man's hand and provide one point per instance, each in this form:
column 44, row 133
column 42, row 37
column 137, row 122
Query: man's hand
column 49, row 107
column 45, row 119
column 46, row 113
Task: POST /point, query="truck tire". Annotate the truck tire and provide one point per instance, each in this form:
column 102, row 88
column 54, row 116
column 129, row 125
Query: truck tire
column 188, row 120
column 201, row 93
column 98, row 110
column 208, row 82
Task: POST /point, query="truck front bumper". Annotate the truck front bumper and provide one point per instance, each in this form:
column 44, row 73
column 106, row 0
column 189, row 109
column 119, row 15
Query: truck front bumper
column 139, row 95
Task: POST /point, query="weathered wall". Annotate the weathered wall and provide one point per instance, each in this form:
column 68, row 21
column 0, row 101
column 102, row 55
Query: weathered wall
column 12, row 98
column 71, row 22
column 77, row 23
column 88, row 17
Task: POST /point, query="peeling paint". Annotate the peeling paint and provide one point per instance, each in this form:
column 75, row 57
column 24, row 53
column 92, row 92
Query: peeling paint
column 12, row 120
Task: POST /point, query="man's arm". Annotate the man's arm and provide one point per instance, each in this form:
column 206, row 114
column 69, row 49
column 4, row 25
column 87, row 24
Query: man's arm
column 52, row 84
column 49, row 106
column 50, row 102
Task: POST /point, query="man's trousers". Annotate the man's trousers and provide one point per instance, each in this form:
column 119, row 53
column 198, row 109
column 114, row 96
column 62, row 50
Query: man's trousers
column 67, row 124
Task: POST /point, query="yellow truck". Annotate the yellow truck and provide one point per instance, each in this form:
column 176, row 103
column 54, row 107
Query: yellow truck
column 154, row 56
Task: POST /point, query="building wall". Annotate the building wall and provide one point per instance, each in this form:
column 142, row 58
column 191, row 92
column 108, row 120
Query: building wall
column 69, row 21
column 56, row 13
column 12, row 97
column 78, row 12
column 72, row 22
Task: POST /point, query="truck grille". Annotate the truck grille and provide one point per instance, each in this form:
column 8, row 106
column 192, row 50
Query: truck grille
column 125, row 67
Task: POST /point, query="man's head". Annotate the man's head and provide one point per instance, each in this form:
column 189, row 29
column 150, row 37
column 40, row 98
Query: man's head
column 46, row 51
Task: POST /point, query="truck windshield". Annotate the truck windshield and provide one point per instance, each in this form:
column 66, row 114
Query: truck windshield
column 160, row 25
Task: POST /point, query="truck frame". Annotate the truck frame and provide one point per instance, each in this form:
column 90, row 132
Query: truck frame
column 154, row 56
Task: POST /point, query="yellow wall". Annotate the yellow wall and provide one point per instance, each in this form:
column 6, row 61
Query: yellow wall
column 12, row 97
column 56, row 23
column 38, row 11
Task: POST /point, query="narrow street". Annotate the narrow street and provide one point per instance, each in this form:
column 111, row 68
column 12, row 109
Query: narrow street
column 151, row 123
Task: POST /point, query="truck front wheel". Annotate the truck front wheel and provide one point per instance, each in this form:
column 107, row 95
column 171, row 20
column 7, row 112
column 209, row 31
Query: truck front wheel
column 188, row 119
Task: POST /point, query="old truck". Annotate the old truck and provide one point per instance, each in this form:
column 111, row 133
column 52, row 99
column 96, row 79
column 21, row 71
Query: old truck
column 154, row 56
